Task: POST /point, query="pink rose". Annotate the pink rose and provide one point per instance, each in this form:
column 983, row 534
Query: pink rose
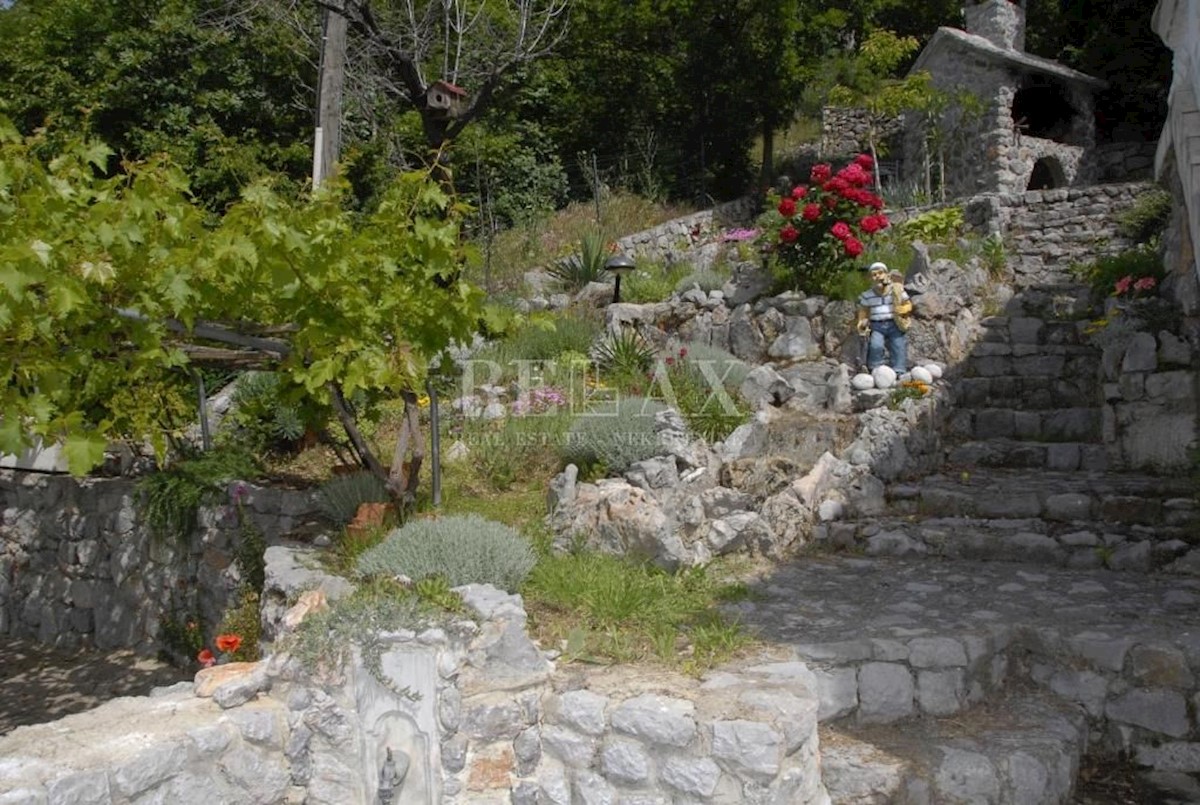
column 840, row 230
column 853, row 246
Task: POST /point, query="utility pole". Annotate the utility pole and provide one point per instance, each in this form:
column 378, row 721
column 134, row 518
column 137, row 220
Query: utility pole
column 327, row 140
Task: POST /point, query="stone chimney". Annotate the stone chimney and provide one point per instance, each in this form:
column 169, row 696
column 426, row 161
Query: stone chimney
column 1002, row 22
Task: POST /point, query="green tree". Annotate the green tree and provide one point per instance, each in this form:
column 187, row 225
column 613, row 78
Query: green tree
column 150, row 76
column 107, row 286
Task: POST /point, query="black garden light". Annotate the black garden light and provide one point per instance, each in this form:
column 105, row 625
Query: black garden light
column 619, row 265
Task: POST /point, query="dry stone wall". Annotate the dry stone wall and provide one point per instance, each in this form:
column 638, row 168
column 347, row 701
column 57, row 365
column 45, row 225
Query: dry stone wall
column 1048, row 230
column 80, row 566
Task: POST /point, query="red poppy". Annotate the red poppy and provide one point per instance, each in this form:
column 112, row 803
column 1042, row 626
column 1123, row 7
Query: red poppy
column 799, row 192
column 206, row 658
column 787, row 207
column 228, row 643
column 840, row 230
column 789, row 233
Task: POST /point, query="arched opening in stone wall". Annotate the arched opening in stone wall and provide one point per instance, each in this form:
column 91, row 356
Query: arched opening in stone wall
column 1042, row 108
column 1047, row 174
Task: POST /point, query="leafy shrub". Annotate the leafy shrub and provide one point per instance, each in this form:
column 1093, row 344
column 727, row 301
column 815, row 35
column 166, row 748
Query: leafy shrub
column 587, row 265
column 991, row 249
column 817, row 231
column 935, row 226
column 264, row 415
column 464, row 549
column 339, row 498
column 244, row 620
column 508, row 453
column 1146, row 220
column 613, row 438
column 1103, row 274
column 711, row 413
column 624, row 352
column 173, row 496
column 651, row 283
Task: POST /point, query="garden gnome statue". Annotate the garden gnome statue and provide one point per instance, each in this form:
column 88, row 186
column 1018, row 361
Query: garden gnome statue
column 883, row 317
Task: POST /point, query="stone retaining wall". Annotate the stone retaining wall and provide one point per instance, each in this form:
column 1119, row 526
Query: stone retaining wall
column 79, row 565
column 480, row 724
column 694, row 238
column 1048, row 230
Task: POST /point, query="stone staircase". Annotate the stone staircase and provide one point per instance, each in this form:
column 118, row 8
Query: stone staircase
column 1027, row 474
column 973, row 643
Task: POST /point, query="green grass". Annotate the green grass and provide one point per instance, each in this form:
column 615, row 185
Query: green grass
column 542, row 242
column 608, row 609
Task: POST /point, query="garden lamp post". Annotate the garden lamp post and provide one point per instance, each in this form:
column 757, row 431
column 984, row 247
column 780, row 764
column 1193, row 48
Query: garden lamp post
column 618, row 265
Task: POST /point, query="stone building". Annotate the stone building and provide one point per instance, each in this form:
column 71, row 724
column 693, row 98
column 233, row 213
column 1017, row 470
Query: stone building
column 1177, row 163
column 1036, row 130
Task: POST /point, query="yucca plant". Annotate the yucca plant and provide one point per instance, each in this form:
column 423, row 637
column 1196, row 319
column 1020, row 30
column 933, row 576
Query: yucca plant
column 624, row 352
column 587, row 265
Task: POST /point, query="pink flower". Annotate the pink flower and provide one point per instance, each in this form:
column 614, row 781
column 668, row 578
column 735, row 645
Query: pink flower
column 811, row 212
column 683, row 352
column 1123, row 284
column 787, row 207
column 799, row 192
column 853, row 246
column 1144, row 284
column 820, row 173
column 670, row 361
column 840, row 230
column 869, row 224
column 206, row 658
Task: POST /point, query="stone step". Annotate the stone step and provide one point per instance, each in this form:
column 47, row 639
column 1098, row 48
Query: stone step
column 1075, row 544
column 1017, row 454
column 1082, row 424
column 899, row 640
column 1038, row 363
column 1036, row 331
column 1023, row 748
column 1058, row 496
column 1026, row 393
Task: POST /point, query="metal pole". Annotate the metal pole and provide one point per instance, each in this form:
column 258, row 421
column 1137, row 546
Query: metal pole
column 435, row 444
column 205, row 434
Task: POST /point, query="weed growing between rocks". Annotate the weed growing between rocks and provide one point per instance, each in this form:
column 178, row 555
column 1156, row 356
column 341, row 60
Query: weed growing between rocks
column 606, row 609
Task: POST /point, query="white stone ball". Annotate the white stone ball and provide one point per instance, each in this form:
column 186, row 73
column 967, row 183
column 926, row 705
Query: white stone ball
column 862, row 381
column 934, row 370
column 885, row 377
column 922, row 374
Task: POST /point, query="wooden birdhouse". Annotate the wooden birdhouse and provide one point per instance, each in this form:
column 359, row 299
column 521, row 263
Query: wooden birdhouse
column 445, row 98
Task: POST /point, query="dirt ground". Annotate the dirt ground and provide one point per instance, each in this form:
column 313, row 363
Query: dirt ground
column 39, row 684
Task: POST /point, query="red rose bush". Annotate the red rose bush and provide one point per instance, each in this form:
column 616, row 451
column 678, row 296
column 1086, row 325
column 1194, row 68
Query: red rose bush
column 819, row 230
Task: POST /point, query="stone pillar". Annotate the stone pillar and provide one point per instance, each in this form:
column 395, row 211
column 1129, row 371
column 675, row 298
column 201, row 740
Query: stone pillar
column 1002, row 22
